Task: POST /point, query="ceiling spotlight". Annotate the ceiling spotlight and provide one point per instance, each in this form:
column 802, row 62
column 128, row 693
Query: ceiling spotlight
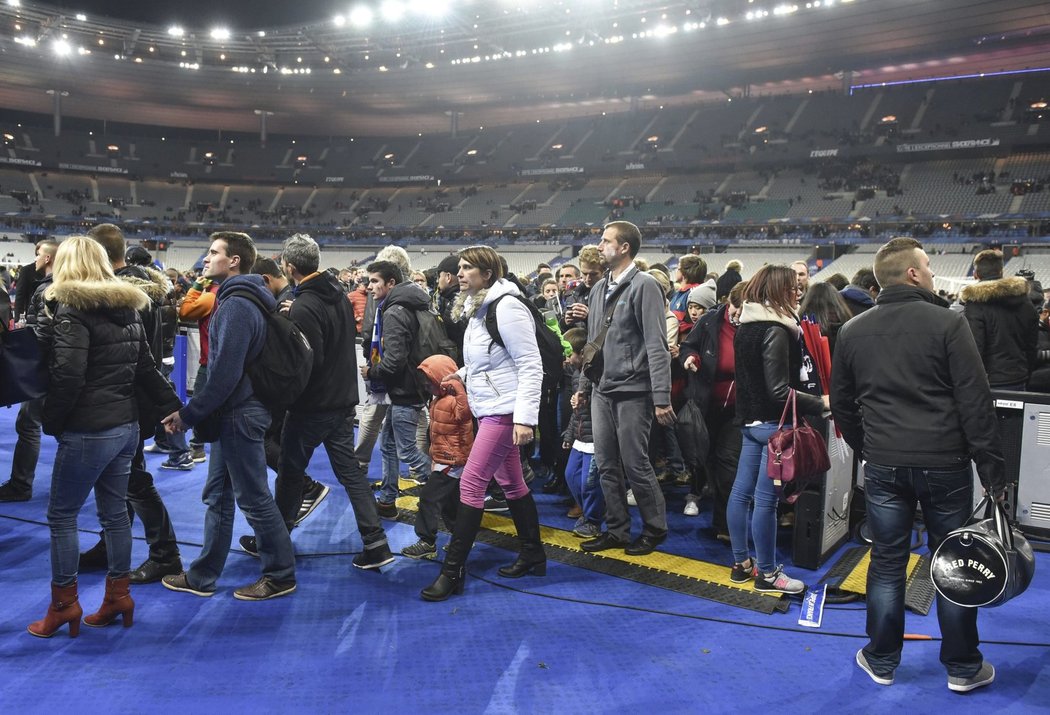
column 176, row 31
column 14, row 3
column 338, row 20
column 81, row 17
column 220, row 33
column 393, row 10
column 430, row 8
column 361, row 16
column 261, row 33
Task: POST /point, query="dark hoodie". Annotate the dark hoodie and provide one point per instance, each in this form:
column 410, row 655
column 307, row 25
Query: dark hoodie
column 325, row 316
column 157, row 286
column 1005, row 327
column 857, row 299
column 236, row 335
column 400, row 328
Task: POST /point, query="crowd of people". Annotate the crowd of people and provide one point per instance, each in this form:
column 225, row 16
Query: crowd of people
column 662, row 382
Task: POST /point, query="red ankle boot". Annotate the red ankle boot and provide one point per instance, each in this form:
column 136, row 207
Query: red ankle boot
column 64, row 609
column 116, row 603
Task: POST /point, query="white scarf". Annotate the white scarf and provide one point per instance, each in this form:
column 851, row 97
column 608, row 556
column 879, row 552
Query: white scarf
column 758, row 313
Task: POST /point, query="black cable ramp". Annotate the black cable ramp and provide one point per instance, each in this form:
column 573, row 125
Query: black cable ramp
column 850, row 574
column 668, row 571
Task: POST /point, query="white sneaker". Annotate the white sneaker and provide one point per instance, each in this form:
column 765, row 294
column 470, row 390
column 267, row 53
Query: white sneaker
column 692, row 505
column 630, row 498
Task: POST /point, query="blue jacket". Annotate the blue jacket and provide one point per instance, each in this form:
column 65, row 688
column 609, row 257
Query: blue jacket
column 236, row 335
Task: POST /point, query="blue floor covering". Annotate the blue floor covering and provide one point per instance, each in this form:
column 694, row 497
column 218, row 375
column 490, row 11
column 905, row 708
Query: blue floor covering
column 354, row 641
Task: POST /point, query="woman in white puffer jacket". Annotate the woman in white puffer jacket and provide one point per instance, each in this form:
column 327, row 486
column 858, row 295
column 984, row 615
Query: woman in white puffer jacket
column 503, row 389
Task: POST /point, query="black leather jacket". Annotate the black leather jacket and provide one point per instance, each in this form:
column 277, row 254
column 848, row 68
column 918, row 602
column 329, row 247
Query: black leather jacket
column 768, row 364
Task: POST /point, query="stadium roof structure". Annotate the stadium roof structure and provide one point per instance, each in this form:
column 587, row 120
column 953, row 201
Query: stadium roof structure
column 384, row 67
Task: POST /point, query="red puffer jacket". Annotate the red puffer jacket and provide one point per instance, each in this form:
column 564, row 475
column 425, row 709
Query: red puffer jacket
column 451, row 422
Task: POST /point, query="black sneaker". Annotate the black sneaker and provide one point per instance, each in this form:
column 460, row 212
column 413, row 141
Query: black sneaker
column 179, row 582
column 373, row 557
column 152, row 571
column 420, row 550
column 313, row 495
column 387, row 509
column 496, row 504
column 182, row 463
column 740, row 574
column 249, row 545
column 10, row 492
column 197, row 454
column 264, row 589
column 95, row 558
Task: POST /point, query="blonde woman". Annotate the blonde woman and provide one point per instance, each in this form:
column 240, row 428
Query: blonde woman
column 99, row 356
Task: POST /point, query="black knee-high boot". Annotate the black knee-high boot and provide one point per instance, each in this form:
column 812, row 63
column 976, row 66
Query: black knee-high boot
column 532, row 558
column 453, row 571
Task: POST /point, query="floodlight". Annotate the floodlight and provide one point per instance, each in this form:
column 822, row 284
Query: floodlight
column 393, row 10
column 81, row 17
column 220, row 33
column 338, row 20
column 176, row 31
column 361, row 16
column 430, row 8
column 14, row 3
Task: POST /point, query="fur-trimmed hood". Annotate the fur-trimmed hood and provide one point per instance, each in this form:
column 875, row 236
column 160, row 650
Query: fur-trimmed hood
column 995, row 291
column 90, row 296
column 152, row 282
column 467, row 305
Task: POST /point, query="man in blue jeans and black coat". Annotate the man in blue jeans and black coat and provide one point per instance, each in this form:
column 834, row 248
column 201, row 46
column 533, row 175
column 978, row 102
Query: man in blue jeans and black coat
column 909, row 393
column 237, row 464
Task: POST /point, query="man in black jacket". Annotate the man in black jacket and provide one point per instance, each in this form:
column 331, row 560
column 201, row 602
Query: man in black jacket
column 143, row 498
column 27, row 424
column 283, row 292
column 445, row 297
column 324, row 413
column 390, row 370
column 1004, row 322
column 909, row 394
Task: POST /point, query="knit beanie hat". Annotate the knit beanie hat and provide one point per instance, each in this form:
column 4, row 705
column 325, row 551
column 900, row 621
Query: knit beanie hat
column 703, row 295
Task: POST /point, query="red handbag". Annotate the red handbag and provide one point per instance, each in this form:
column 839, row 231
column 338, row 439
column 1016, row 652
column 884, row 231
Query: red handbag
column 795, row 454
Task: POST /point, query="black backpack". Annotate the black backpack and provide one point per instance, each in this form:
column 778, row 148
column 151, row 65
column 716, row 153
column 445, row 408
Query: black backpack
column 280, row 372
column 550, row 346
column 431, row 339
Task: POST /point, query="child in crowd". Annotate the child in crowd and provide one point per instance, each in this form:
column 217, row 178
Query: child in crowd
column 701, row 299
column 579, row 475
column 451, row 437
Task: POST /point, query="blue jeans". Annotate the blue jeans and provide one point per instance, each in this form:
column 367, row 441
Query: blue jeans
column 237, row 472
column 398, row 444
column 581, row 476
column 86, row 460
column 302, row 434
column 946, row 496
column 753, row 485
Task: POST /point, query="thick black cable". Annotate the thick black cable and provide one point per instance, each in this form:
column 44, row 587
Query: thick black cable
column 587, row 602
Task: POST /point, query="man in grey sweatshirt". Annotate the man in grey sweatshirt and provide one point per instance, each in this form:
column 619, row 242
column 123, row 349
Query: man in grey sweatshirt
column 634, row 386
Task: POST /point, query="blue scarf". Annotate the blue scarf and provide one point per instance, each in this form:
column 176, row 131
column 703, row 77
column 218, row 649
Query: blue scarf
column 375, row 355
